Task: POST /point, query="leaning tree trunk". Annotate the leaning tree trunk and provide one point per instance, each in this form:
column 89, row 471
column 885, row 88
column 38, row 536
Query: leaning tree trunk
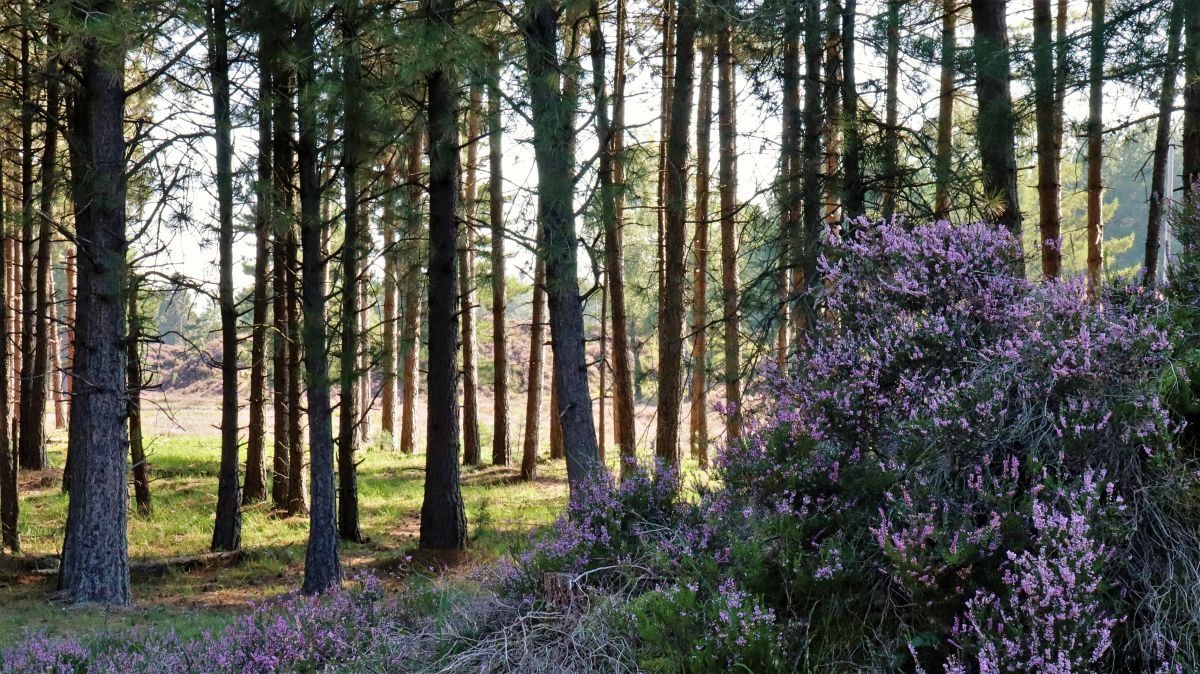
column 1095, row 150
column 443, row 520
column 322, row 570
column 500, row 454
column 472, row 452
column 227, row 532
column 996, row 123
column 1162, row 147
column 95, row 557
column 670, row 338
column 352, row 245
column 255, row 486
column 554, row 130
column 727, row 129
column 699, row 397
column 1049, row 215
column 943, row 169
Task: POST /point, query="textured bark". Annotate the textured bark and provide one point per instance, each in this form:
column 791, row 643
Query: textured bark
column 537, row 359
column 553, row 132
column 1191, row 101
column 727, row 129
column 943, row 168
column 95, row 558
column 891, row 135
column 853, row 190
column 699, row 393
column 664, row 132
column 255, row 486
column 500, row 432
column 282, row 215
column 410, row 344
column 1095, row 151
column 614, row 260
column 9, row 502
column 556, row 429
column 472, row 452
column 134, row 380
column 1162, row 147
column 352, row 255
column 322, row 570
column 56, row 364
column 227, row 532
column 443, row 520
column 789, row 192
column 810, row 248
column 296, row 497
column 387, row 382
column 31, row 436
column 996, row 122
column 69, row 383
column 670, row 338
column 1049, row 215
column 831, row 96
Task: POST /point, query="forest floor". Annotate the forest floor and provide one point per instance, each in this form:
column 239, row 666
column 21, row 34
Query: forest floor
column 191, row 594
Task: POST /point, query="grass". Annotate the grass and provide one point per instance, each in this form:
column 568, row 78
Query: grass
column 501, row 510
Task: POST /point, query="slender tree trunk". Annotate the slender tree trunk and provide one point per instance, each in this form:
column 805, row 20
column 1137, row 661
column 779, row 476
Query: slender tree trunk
column 95, row 558
column 472, row 453
column 1049, row 217
column 789, row 193
column 537, row 340
column 1062, row 51
column 69, row 383
column 727, row 129
column 227, row 533
column 31, row 435
column 282, row 215
column 387, row 393
column 352, row 245
column 943, row 166
column 853, row 191
column 670, row 339
column 1095, row 151
column 553, row 119
column 1162, row 146
column 996, row 122
column 443, row 520
column 410, row 345
column 664, row 133
column 10, row 536
column 891, row 131
column 1191, row 103
column 831, row 95
column 806, row 263
column 500, row 453
column 322, row 570
column 134, row 381
column 255, row 486
column 56, row 364
column 699, row 397
column 297, row 494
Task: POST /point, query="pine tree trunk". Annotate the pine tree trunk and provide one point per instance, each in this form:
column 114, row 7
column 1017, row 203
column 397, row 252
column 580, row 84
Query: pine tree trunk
column 664, row 133
column 227, row 533
column 553, row 119
column 352, row 245
column 443, row 520
column 500, row 453
column 1049, row 217
column 31, row 436
column 699, row 396
column 670, row 339
column 472, row 453
column 1162, row 147
column 537, row 340
column 556, row 429
column 996, row 122
column 891, row 136
column 134, row 381
column 10, row 536
column 282, row 215
column 410, row 344
column 322, row 570
column 1191, row 103
column 255, row 486
column 1095, row 151
column 56, row 363
column 297, row 493
column 806, row 262
column 727, row 130
column 387, row 394
column 831, row 95
column 943, row 166
column 95, row 558
column 789, row 192
column 69, row 383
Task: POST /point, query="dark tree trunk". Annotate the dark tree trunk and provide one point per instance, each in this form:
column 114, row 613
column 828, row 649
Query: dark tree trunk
column 670, row 338
column 31, row 437
column 789, row 192
column 1095, row 151
column 1162, row 146
column 664, row 133
column 537, row 360
column 556, row 429
column 322, row 570
column 134, row 380
column 945, row 125
column 727, row 130
column 95, row 558
column 69, row 384
column 443, row 520
column 387, row 383
column 472, row 452
column 297, row 495
column 9, row 502
column 281, row 226
column 500, row 453
column 1191, row 103
column 831, row 96
column 352, row 245
column 853, row 190
column 1049, row 216
column 699, row 397
column 410, row 344
column 891, row 132
column 227, row 533
column 255, row 486
column 806, row 264
column 996, row 122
